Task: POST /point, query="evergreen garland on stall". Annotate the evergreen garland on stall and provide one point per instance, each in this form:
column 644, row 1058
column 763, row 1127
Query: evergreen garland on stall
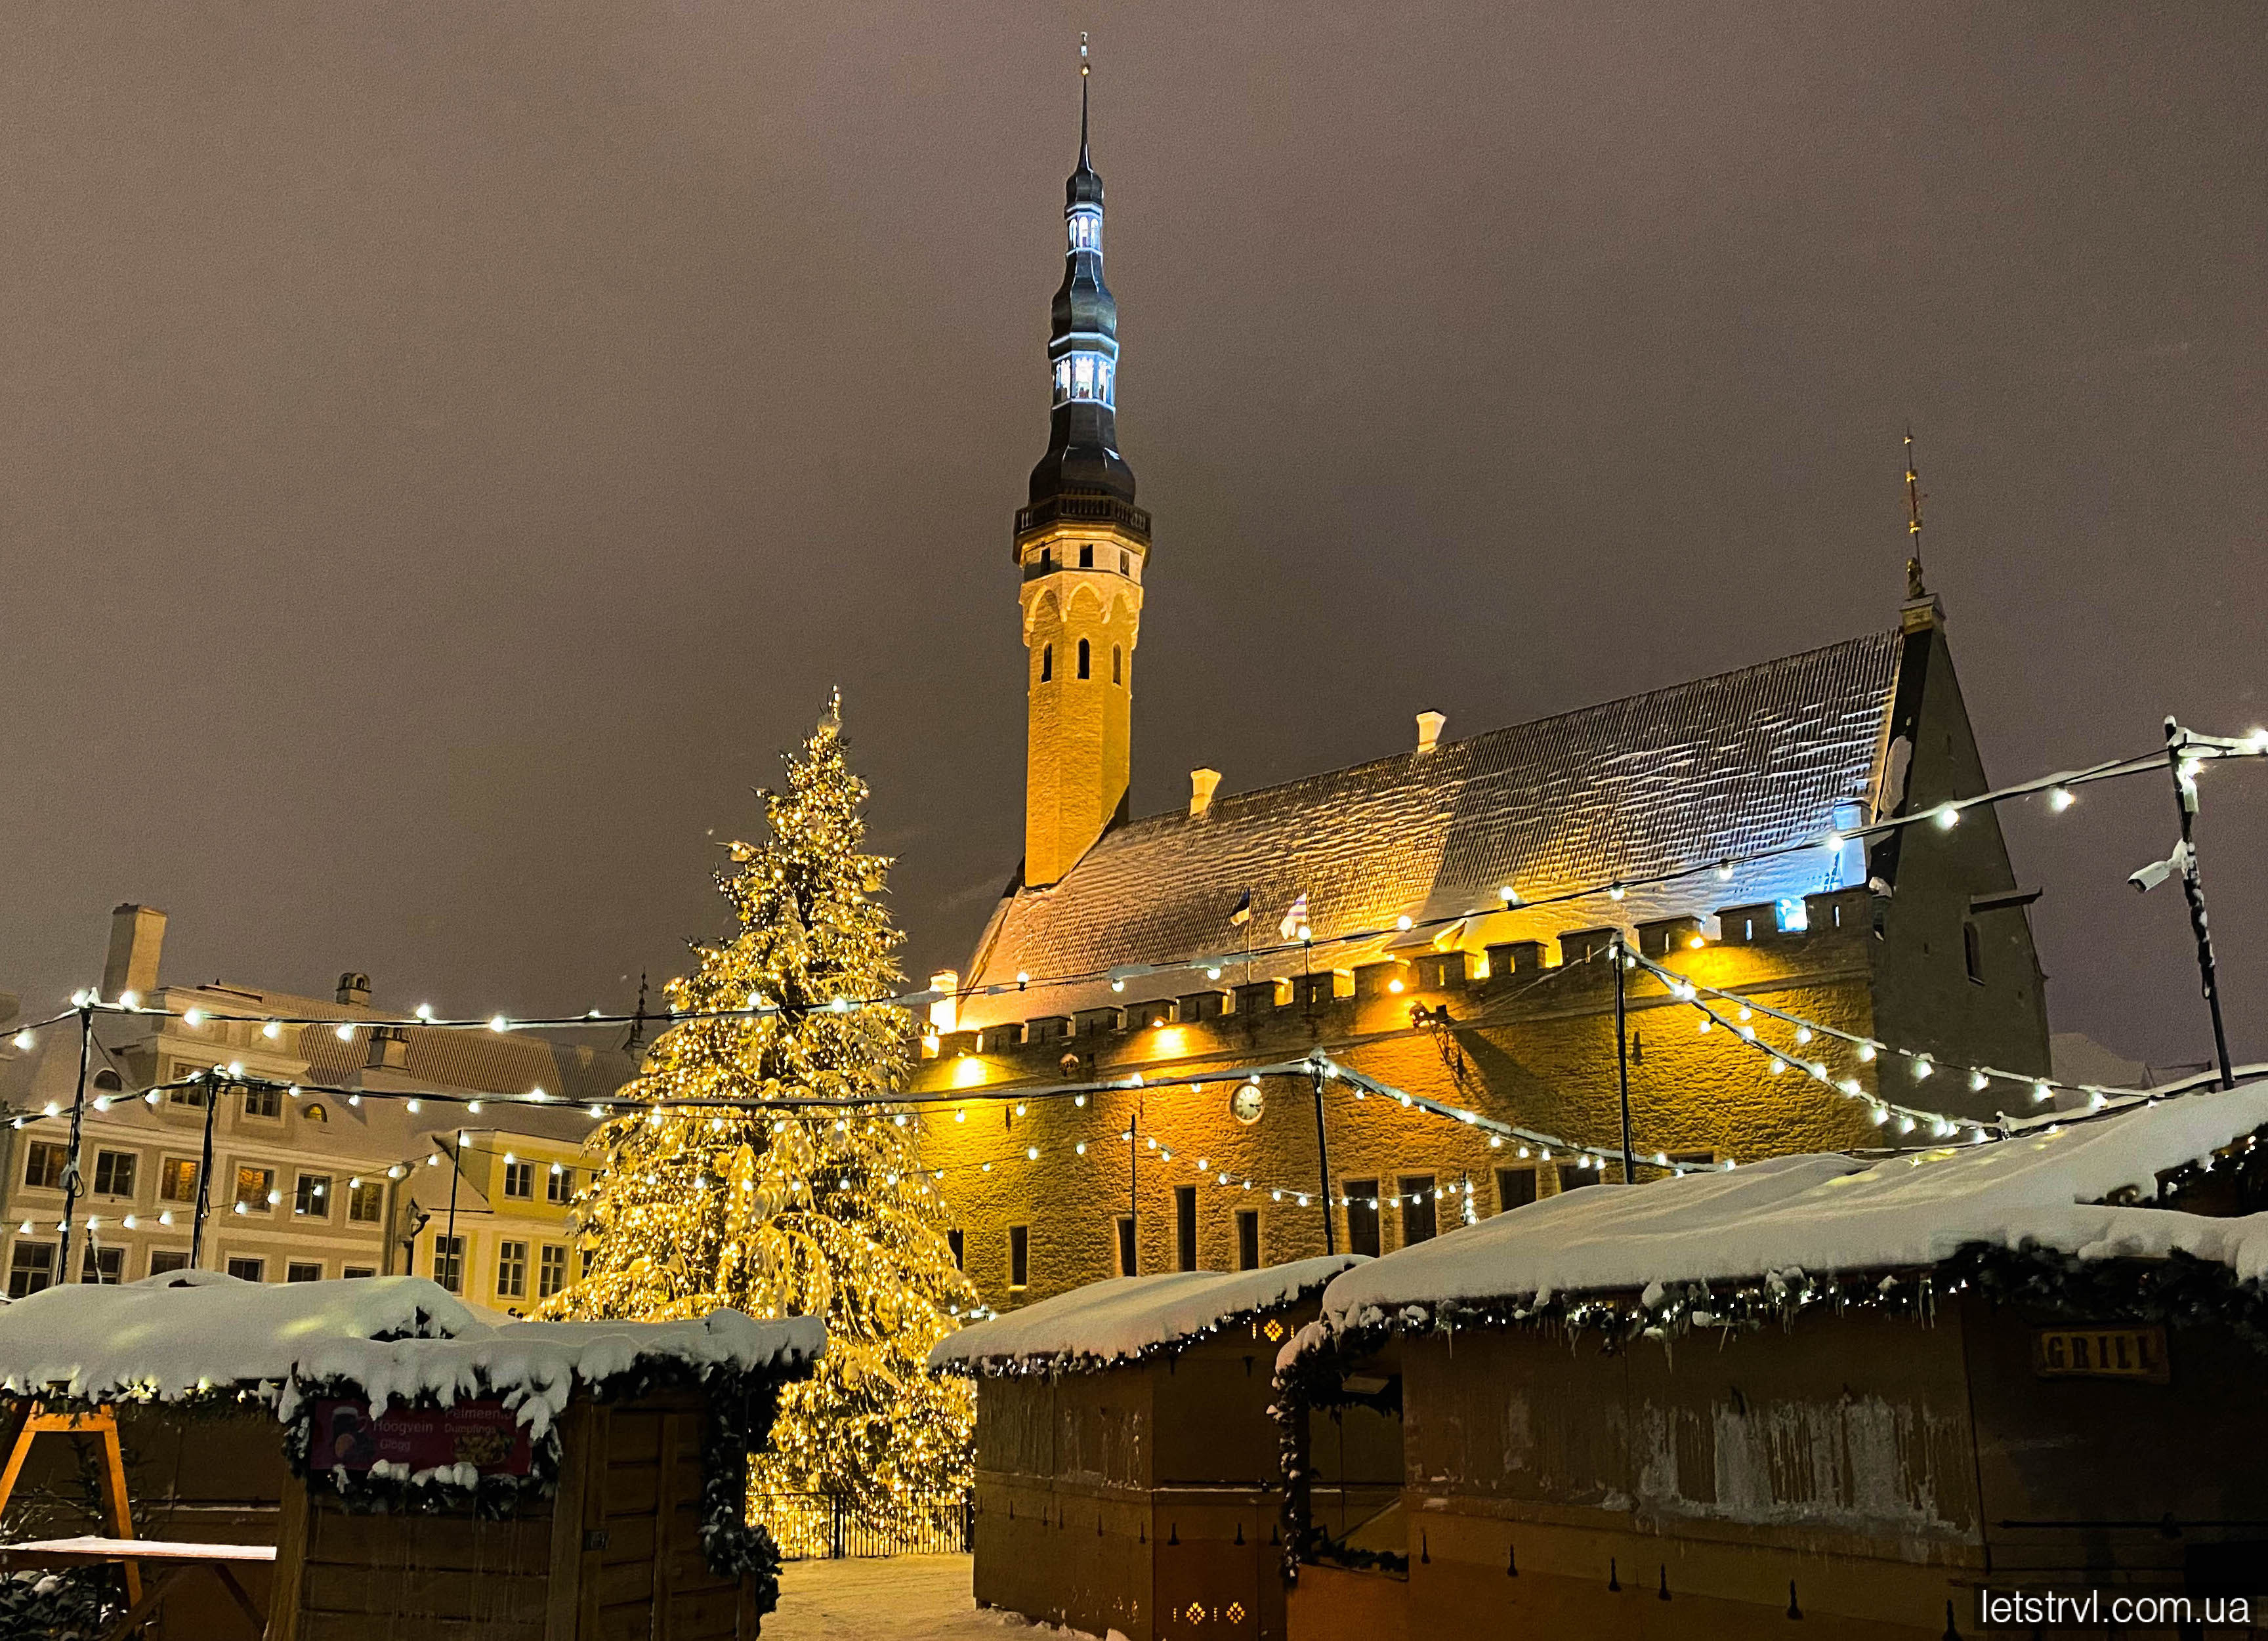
column 741, row 1405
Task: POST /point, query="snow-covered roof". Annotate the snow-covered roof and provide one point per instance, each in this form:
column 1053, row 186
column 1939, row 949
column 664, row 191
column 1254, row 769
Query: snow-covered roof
column 1716, row 769
column 536, row 1365
column 176, row 1335
column 1121, row 1319
column 2043, row 1188
column 167, row 1335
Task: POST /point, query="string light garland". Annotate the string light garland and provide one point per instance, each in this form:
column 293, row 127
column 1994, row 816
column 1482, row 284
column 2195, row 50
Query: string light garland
column 2060, row 789
column 1921, row 1065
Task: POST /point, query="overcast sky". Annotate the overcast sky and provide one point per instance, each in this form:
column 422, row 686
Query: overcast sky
column 451, row 449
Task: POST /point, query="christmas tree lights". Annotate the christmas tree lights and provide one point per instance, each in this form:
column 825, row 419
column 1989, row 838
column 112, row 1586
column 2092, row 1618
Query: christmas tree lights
column 777, row 1209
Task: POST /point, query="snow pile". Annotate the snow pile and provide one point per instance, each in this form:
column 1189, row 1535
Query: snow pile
column 171, row 1336
column 1834, row 1213
column 535, row 1366
column 392, row 1337
column 1119, row 1320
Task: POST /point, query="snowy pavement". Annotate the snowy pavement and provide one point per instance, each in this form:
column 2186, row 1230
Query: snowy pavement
column 905, row 1598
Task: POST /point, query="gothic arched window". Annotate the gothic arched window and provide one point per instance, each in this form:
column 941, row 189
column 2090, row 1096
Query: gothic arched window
column 1047, row 662
column 1082, row 658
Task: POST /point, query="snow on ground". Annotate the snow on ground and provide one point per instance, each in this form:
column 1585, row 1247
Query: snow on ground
column 905, row 1598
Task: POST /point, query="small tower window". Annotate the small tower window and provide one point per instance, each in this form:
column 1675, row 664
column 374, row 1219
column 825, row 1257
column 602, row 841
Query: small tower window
column 1972, row 953
column 1086, row 556
column 1047, row 662
column 1125, row 562
column 1117, row 665
column 1082, row 658
column 1047, row 558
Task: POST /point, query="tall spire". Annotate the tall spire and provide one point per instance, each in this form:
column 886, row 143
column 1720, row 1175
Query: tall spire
column 1083, row 551
column 1082, row 456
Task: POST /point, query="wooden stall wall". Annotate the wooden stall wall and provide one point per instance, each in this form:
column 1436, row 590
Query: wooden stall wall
column 1062, row 1503
column 616, row 1555
column 1698, row 1492
column 2142, row 1477
column 1213, row 1492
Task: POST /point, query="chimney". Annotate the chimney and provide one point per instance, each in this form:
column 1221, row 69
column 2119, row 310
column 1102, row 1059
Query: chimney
column 389, row 1049
column 354, row 989
column 945, row 1014
column 136, row 933
column 1429, row 729
column 1203, row 784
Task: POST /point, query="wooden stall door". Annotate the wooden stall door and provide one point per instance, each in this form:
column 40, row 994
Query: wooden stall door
column 642, row 1576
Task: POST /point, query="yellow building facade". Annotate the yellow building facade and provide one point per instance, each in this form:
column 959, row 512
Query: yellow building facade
column 1438, row 921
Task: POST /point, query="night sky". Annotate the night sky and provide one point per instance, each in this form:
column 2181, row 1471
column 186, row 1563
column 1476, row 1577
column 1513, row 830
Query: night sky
column 451, row 450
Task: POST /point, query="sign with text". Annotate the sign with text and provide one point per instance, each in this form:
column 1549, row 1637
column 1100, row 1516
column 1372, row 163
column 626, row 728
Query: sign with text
column 2136, row 1353
column 482, row 1434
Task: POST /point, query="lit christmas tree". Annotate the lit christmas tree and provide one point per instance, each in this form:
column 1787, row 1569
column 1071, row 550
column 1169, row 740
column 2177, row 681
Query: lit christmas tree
column 793, row 1210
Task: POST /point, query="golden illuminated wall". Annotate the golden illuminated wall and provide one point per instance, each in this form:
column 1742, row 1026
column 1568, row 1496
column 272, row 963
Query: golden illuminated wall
column 1541, row 1055
column 1082, row 585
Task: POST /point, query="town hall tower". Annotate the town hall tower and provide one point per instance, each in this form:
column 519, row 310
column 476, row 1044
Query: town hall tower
column 1083, row 547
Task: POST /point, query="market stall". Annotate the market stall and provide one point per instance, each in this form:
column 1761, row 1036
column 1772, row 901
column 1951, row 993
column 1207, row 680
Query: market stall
column 429, row 1469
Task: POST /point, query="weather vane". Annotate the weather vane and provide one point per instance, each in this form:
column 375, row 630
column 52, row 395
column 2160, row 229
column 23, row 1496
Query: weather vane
column 1082, row 54
column 1914, row 588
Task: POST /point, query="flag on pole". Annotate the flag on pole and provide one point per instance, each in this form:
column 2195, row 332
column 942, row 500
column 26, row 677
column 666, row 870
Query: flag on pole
column 1295, row 921
column 1242, row 914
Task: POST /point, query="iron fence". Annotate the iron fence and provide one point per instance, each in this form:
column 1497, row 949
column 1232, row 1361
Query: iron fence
column 830, row 1527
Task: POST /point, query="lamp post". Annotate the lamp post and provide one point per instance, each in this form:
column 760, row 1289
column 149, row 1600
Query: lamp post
column 1621, row 1056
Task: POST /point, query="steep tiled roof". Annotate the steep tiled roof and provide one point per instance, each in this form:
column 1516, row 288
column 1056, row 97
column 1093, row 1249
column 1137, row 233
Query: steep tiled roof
column 1693, row 774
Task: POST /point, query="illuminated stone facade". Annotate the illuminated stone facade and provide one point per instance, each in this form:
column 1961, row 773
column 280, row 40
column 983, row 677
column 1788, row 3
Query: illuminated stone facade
column 1437, row 960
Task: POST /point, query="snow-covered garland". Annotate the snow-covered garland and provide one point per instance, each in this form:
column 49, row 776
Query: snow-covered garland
column 2180, row 1291
column 1065, row 1362
column 742, row 1406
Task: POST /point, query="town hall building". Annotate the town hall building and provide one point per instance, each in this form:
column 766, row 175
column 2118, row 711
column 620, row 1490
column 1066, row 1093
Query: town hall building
column 1441, row 921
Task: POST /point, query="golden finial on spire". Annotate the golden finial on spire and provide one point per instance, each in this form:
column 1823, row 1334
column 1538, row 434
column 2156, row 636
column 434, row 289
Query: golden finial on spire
column 1914, row 588
column 1082, row 54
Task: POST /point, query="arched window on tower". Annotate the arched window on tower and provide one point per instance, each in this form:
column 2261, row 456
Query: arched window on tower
column 1082, row 658
column 1047, row 662
column 1117, row 665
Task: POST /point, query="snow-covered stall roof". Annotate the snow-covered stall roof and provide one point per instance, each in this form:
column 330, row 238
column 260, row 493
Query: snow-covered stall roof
column 2043, row 1188
column 538, row 1364
column 169, row 1336
column 175, row 1336
column 1127, row 1317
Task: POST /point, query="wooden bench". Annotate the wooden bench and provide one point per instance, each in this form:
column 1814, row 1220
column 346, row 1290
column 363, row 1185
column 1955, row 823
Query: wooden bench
column 169, row 1563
